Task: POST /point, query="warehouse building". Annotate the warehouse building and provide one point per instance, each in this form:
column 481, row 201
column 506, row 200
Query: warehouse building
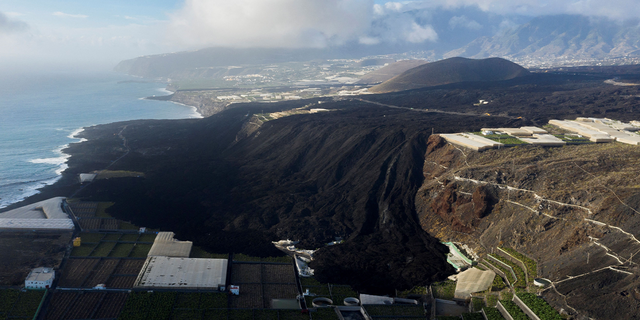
column 40, row 278
column 601, row 129
column 471, row 141
column 43, row 215
column 183, row 273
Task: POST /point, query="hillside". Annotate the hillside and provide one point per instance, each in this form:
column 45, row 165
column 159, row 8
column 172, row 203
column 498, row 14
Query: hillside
column 452, row 70
column 555, row 37
column 574, row 209
column 389, row 71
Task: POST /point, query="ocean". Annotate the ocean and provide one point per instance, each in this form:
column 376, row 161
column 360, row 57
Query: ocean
column 40, row 114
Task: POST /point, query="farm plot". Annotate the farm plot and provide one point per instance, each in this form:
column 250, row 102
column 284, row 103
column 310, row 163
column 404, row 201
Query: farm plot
column 144, row 305
column 147, row 237
column 129, row 267
column 278, row 273
column 84, row 209
column 278, row 291
column 121, row 282
column 246, row 273
column 386, row 311
column 84, row 305
column 83, row 250
column 111, row 305
column 103, row 249
column 140, row 250
column 109, row 224
column 250, row 297
column 90, row 223
column 76, row 271
column 27, row 304
column 58, row 304
column 101, row 273
column 540, row 307
column 122, row 250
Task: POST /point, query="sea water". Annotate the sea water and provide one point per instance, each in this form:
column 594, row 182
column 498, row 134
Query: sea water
column 40, row 114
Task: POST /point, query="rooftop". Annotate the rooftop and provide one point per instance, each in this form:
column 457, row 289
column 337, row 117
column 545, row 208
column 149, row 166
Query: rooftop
column 183, row 273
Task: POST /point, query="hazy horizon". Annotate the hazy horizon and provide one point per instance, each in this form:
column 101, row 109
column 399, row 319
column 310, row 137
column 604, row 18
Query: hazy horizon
column 81, row 36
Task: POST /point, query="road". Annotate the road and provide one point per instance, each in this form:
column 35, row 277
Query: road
column 436, row 110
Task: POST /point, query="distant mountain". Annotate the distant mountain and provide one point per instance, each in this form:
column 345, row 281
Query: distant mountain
column 452, row 70
column 389, row 71
column 557, row 37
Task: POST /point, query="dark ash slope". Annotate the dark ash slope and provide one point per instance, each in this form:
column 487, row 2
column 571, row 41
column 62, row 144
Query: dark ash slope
column 452, row 70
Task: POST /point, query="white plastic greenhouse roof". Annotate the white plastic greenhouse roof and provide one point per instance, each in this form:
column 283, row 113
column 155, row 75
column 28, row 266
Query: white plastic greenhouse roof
column 183, row 273
column 47, row 214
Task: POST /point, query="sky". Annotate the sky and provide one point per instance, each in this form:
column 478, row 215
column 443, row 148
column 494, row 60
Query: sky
column 85, row 34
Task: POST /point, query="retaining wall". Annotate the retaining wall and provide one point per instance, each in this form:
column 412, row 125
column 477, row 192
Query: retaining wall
column 524, row 308
column 504, row 311
column 497, row 271
column 513, row 259
column 506, row 266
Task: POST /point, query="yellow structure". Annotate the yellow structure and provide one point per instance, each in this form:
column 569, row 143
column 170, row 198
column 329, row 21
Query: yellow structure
column 77, row 241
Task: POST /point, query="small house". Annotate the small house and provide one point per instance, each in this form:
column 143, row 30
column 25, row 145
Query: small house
column 40, row 278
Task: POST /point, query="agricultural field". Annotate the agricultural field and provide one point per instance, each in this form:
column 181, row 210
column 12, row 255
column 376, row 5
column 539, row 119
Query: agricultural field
column 87, row 273
column 472, row 316
column 521, row 281
column 262, row 282
column 337, row 293
column 500, row 267
column 530, row 264
column 245, row 258
column 403, row 311
column 17, row 304
column 444, row 290
column 85, row 305
column 540, row 307
column 117, row 245
column 513, row 309
column 172, row 305
column 492, row 313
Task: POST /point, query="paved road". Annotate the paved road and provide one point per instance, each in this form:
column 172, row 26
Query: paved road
column 436, row 110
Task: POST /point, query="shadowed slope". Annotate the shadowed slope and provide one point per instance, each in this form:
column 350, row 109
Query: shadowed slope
column 452, row 70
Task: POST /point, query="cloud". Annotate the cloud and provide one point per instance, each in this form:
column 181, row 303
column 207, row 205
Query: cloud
column 68, row 15
column 11, row 26
column 270, row 23
column 464, row 22
column 613, row 9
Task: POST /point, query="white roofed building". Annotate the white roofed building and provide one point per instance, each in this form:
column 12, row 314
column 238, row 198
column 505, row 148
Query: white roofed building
column 43, row 215
column 40, row 278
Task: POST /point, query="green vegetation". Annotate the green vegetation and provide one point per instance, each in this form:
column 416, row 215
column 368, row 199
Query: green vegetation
column 492, row 300
column 501, row 268
column 27, row 304
column 121, row 250
column 447, row 318
column 83, row 250
column 502, row 138
column 540, row 307
column 395, row 310
column 140, row 250
column 144, row 305
column 87, row 237
column 197, row 252
column 477, row 303
column 324, row 314
column 444, row 290
column 521, row 280
column 310, row 281
column 102, row 209
column 112, row 237
column 492, row 313
column 107, row 174
column 147, row 237
column 531, row 265
column 513, row 309
column 472, row 316
column 7, row 298
column 130, row 237
column 103, row 249
column 506, row 295
column 498, row 284
column 244, row 257
column 419, row 290
column 211, row 300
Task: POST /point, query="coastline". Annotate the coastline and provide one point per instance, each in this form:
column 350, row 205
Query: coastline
column 65, row 176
